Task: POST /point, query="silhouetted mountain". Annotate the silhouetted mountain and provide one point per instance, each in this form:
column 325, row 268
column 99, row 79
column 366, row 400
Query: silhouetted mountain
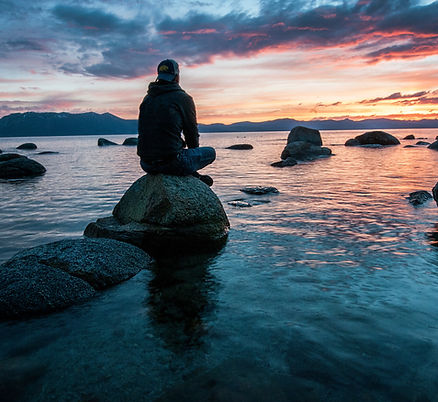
column 46, row 124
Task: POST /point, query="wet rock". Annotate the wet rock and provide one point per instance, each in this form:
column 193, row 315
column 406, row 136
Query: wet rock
column 240, row 204
column 240, row 146
column 419, row 197
column 47, row 153
column 409, row 137
column 409, row 146
column 166, row 214
column 300, row 133
column 27, row 146
column 434, row 145
column 435, row 193
column 14, row 166
column 131, row 141
column 102, row 142
column 284, row 163
column 373, row 137
column 372, row 146
column 422, row 143
column 259, row 190
column 301, row 150
column 352, row 142
column 56, row 275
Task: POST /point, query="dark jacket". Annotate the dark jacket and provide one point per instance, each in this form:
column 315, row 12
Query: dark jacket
column 165, row 112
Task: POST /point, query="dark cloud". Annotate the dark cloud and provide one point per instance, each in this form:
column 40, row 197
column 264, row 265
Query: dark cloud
column 395, row 96
column 25, row 45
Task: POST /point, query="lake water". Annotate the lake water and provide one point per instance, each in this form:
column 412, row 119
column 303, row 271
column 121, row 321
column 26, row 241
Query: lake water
column 327, row 292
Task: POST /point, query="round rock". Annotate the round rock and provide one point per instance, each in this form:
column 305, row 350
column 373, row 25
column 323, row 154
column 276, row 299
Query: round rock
column 27, row 146
column 102, row 142
column 14, row 166
column 130, row 141
column 300, row 133
column 374, row 137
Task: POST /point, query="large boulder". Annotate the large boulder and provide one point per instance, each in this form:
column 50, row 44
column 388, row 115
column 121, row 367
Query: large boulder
column 14, row 166
column 300, row 133
column 373, row 137
column 165, row 214
column 59, row 274
column 27, row 146
column 434, row 145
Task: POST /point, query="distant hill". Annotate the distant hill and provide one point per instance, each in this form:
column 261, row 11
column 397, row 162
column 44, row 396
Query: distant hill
column 47, row 124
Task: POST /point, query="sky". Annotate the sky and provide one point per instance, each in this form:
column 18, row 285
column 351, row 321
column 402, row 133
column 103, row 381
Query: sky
column 240, row 60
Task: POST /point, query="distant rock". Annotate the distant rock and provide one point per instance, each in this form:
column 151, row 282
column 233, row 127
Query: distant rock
column 56, row 275
column 166, row 214
column 300, row 133
column 284, row 163
column 422, row 143
column 419, row 197
column 47, row 153
column 102, row 142
column 240, row 146
column 408, row 146
column 27, row 146
column 131, row 141
column 14, row 166
column 373, row 137
column 409, row 137
column 434, row 145
column 352, row 142
column 259, row 190
column 240, row 204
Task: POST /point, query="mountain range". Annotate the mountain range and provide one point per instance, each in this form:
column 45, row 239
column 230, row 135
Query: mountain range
column 60, row 124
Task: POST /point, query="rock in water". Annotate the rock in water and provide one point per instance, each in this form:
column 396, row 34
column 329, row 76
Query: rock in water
column 409, row 137
column 284, row 163
column 27, row 145
column 419, row 197
column 435, row 193
column 434, row 145
column 300, row 133
column 373, row 137
column 259, row 190
column 422, row 143
column 14, row 166
column 166, row 214
column 102, row 142
column 131, row 141
column 57, row 275
column 240, row 146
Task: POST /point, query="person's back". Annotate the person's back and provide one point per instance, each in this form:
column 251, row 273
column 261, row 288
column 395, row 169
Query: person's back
column 165, row 112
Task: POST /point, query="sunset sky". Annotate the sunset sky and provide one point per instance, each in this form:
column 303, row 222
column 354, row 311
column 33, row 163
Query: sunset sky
column 240, row 60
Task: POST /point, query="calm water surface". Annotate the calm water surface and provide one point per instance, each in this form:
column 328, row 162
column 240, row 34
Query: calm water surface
column 327, row 292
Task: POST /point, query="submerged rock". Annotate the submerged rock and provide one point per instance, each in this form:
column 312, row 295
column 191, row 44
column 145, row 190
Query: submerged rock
column 47, row 153
column 284, row 163
column 27, row 146
column 166, row 214
column 14, row 166
column 240, row 146
column 373, row 137
column 56, row 275
column 259, row 190
column 131, row 141
column 434, row 145
column 419, row 197
column 422, row 143
column 102, row 142
column 409, row 137
column 409, row 146
column 240, row 204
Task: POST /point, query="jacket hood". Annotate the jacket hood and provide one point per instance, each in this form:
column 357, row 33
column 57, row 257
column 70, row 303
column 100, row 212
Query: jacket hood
column 156, row 88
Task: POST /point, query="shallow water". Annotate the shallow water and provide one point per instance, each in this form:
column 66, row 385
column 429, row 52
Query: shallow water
column 327, row 292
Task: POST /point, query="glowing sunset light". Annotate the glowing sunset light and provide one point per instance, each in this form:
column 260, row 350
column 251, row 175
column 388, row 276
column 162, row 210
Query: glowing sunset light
column 248, row 61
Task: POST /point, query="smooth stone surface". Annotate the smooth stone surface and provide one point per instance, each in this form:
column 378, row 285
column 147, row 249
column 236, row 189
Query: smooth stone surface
column 352, row 142
column 14, row 166
column 131, row 141
column 259, row 190
column 434, row 145
column 27, row 145
column 56, row 275
column 284, row 163
column 422, row 143
column 300, row 133
column 374, row 137
column 419, row 197
column 166, row 213
column 409, row 137
column 102, row 142
column 240, row 146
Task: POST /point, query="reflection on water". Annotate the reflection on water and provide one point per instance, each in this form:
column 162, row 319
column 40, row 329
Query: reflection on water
column 327, row 292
